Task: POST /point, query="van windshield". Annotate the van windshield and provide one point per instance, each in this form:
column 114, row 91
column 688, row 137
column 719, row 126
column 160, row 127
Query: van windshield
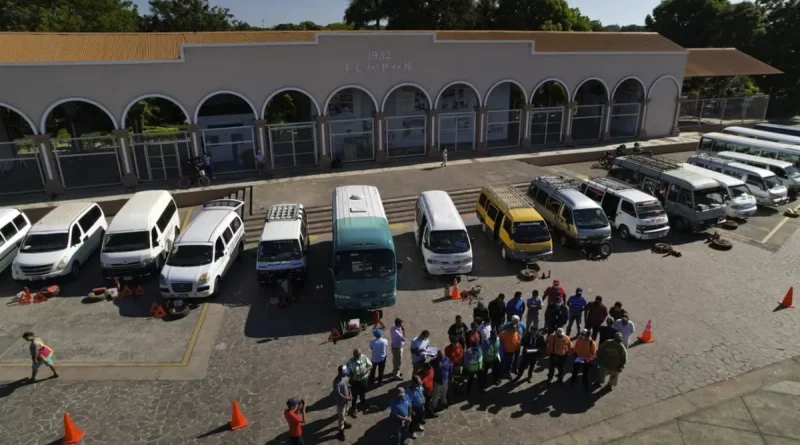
column 792, row 171
column 531, row 232
column 279, row 250
column 126, row 242
column 590, row 218
column 45, row 242
column 190, row 255
column 449, row 241
column 649, row 209
column 709, row 199
column 360, row 264
column 739, row 191
column 772, row 182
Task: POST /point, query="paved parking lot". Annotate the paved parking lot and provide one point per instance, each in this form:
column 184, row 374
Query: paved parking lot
column 712, row 315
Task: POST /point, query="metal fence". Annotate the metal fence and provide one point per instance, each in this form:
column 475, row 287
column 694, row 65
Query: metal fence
column 723, row 111
column 293, row 145
column 232, row 149
column 352, row 139
column 547, row 125
column 406, row 135
column 160, row 156
column 85, row 162
column 624, row 120
column 587, row 123
column 457, row 131
column 503, row 128
column 20, row 168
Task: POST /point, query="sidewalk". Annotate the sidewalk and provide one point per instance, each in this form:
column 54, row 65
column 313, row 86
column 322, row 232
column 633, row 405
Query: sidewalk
column 761, row 407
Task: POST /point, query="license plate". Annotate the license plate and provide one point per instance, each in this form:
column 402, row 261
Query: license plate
column 177, row 303
column 183, row 295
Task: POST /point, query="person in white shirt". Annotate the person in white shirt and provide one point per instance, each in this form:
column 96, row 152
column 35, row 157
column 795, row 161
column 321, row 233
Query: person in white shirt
column 485, row 329
column 418, row 347
column 378, row 346
column 398, row 334
column 625, row 327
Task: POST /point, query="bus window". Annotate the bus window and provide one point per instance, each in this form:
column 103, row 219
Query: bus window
column 706, row 144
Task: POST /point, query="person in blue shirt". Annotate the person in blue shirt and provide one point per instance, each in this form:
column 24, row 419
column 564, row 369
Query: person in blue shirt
column 416, row 393
column 515, row 306
column 442, row 372
column 576, row 306
column 400, row 416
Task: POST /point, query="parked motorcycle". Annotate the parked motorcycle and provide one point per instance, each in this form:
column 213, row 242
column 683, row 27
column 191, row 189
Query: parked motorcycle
column 196, row 174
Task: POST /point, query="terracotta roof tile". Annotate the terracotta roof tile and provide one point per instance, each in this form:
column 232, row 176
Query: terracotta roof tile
column 720, row 62
column 106, row 47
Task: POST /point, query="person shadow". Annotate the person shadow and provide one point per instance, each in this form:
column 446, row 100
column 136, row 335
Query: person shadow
column 6, row 389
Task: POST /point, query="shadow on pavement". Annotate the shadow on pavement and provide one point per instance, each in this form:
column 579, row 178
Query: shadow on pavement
column 217, row 430
column 6, row 389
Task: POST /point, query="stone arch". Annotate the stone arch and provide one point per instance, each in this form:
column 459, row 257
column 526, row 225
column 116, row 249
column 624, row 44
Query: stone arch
column 227, row 132
column 549, row 80
column 454, row 83
column 174, row 101
column 661, row 113
column 588, row 80
column 405, row 130
column 653, row 85
column 46, row 114
column 292, row 132
column 285, row 89
column 500, row 82
column 504, row 126
column 627, row 98
column 351, row 123
column 222, row 92
column 345, row 87
column 405, row 84
column 547, row 120
column 21, row 114
column 589, row 110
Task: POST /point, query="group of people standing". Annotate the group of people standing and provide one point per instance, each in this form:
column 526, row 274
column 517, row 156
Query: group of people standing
column 496, row 345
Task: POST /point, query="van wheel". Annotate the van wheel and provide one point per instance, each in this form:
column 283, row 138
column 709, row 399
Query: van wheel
column 75, row 272
column 680, row 224
column 217, row 285
column 624, row 233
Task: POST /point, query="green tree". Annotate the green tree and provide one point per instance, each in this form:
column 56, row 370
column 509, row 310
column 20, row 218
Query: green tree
column 780, row 47
column 338, row 26
column 429, row 14
column 547, row 15
column 365, row 14
column 68, row 15
column 189, row 16
column 302, row 26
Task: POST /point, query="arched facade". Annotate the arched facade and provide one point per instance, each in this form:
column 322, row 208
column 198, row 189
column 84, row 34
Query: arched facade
column 628, row 96
column 549, row 100
column 291, row 128
column 226, row 121
column 131, row 104
column 406, row 125
column 505, row 110
column 458, row 123
column 20, row 167
column 351, row 123
column 590, row 100
column 661, row 113
column 46, row 114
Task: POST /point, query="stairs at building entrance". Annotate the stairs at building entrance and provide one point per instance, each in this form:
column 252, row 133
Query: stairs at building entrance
column 398, row 210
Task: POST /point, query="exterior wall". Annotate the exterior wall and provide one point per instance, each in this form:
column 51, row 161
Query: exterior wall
column 661, row 113
column 252, row 71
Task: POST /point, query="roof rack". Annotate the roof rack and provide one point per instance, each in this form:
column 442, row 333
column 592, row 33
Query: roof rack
column 511, row 196
column 560, row 182
column 611, row 183
column 283, row 212
column 655, row 163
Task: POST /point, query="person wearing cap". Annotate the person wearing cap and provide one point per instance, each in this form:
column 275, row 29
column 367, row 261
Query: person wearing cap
column 534, row 304
column 533, row 348
column 473, row 366
column 510, row 340
column 378, row 348
column 418, row 347
column 358, row 368
column 342, row 396
column 416, row 392
column 577, row 305
column 515, row 306
column 557, row 347
column 611, row 359
column 400, row 415
column 398, row 334
column 442, row 375
column 295, row 414
column 596, row 313
column 556, row 290
column 520, row 327
column 497, row 311
column 459, row 331
column 625, row 327
column 584, row 350
column 485, row 328
column 555, row 316
column 491, row 356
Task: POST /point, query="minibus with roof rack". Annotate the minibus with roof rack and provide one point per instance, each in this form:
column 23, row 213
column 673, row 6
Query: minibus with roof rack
column 740, row 202
column 763, row 184
column 632, row 212
column 692, row 201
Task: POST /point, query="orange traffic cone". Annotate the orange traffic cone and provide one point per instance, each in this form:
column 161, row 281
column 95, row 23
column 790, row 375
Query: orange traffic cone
column 787, row 299
column 39, row 297
column 157, row 311
column 126, row 291
column 139, row 291
column 71, row 432
column 647, row 335
column 454, row 293
column 237, row 418
column 335, row 336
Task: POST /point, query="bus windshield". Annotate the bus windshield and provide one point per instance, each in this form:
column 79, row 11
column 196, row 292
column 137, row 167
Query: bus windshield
column 792, row 171
column 449, row 241
column 531, row 232
column 772, row 181
column 709, row 199
column 739, row 191
column 361, row 264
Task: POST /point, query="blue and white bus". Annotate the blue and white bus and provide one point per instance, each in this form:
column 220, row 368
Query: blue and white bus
column 782, row 129
column 763, row 135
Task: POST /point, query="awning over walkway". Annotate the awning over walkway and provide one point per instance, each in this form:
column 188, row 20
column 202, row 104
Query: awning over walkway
column 724, row 62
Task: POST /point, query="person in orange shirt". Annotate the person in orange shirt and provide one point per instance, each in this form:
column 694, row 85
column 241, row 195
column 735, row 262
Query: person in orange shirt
column 509, row 341
column 455, row 353
column 558, row 347
column 426, row 374
column 584, row 350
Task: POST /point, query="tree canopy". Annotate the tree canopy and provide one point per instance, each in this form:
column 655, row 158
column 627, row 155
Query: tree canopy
column 189, row 15
column 68, row 15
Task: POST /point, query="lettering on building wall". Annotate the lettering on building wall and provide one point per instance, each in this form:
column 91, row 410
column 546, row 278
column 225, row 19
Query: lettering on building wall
column 378, row 62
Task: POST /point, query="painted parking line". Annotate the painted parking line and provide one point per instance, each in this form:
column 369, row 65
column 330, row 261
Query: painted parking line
column 777, row 227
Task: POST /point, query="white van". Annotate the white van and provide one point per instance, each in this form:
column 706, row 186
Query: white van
column 441, row 235
column 203, row 253
column 632, row 212
column 14, row 225
column 786, row 171
column 740, row 202
column 763, row 184
column 283, row 247
column 140, row 236
column 60, row 243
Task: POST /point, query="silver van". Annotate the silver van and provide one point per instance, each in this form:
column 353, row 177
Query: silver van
column 740, row 202
column 576, row 219
column 692, row 201
column 763, row 184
